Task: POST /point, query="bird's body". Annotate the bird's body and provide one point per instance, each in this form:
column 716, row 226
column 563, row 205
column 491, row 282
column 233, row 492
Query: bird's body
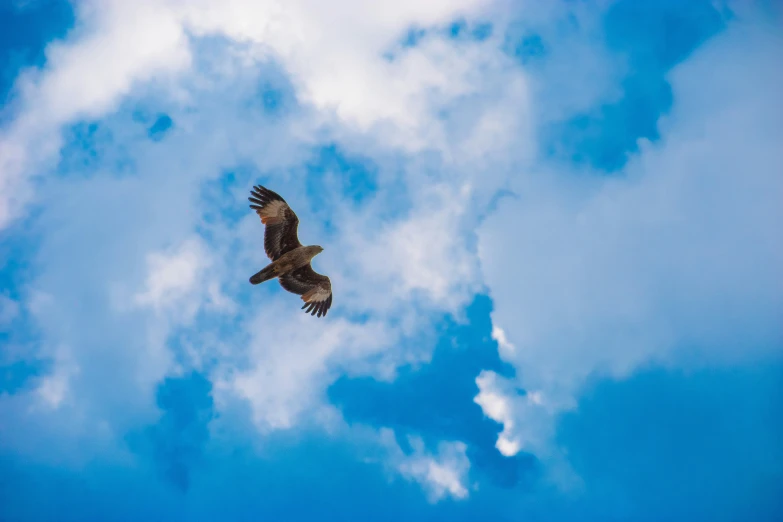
column 288, row 262
column 290, row 259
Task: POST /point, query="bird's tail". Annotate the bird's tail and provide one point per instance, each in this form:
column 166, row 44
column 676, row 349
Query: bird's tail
column 264, row 275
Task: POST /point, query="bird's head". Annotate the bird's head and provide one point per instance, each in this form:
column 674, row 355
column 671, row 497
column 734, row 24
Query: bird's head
column 315, row 250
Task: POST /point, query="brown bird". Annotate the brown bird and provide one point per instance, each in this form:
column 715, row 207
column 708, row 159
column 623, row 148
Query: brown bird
column 290, row 259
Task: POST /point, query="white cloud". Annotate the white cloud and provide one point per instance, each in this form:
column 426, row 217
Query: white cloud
column 504, row 345
column 525, row 417
column 337, row 66
column 85, row 77
column 422, row 254
column 292, row 359
column 443, row 474
column 497, row 406
column 172, row 276
column 674, row 262
column 54, row 388
column 178, row 282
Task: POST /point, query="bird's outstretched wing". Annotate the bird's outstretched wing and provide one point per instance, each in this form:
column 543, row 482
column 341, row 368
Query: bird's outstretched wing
column 281, row 223
column 315, row 289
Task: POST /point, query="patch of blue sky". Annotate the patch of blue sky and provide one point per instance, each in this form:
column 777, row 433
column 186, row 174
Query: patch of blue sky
column 274, row 94
column 162, row 124
column 81, row 152
column 98, row 148
column 18, row 244
column 19, row 334
column 332, row 169
column 20, row 363
column 412, row 37
column 525, row 47
column 15, row 376
column 435, row 400
column 681, row 445
column 273, row 99
column 20, row 360
column 459, row 29
column 625, row 438
column 649, row 38
column 176, row 443
column 236, row 485
column 219, row 198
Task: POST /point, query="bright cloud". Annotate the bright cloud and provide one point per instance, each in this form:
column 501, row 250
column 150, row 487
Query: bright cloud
column 178, row 281
column 54, row 388
column 443, row 474
column 336, row 66
column 293, row 360
column 496, row 405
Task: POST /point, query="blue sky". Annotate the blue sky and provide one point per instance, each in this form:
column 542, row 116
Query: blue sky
column 552, row 231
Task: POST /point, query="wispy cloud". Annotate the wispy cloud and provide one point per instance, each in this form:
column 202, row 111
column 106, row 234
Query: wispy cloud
column 443, row 474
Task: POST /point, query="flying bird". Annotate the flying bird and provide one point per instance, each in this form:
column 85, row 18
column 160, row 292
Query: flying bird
column 290, row 259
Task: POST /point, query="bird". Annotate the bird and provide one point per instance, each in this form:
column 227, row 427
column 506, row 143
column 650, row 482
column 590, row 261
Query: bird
column 290, row 259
